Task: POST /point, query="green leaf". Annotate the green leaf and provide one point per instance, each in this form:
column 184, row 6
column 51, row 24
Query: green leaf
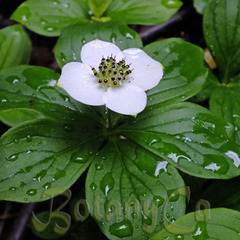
column 69, row 45
column 225, row 103
column 180, row 80
column 210, row 85
column 98, row 7
column 45, row 155
column 15, row 46
column 143, row 12
column 128, row 191
column 222, row 33
column 189, row 137
column 200, row 5
column 49, row 17
column 219, row 223
column 15, row 117
column 33, row 88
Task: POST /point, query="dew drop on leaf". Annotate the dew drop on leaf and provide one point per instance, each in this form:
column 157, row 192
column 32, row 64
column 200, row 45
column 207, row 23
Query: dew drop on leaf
column 59, row 174
column 78, row 157
column 47, row 185
column 98, row 167
column 31, row 192
column 158, row 200
column 29, row 138
column 107, row 183
column 173, row 195
column 93, row 186
column 121, row 229
column 13, row 158
column 12, row 189
column 200, row 232
column 68, row 128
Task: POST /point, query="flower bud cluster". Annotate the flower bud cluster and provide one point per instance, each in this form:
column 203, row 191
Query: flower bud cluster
column 111, row 73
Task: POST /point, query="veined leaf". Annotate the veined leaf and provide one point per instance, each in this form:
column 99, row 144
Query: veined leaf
column 188, row 136
column 45, row 154
column 130, row 192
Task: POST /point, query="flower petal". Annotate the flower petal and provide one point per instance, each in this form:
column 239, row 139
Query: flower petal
column 92, row 52
column 127, row 99
column 80, row 83
column 147, row 72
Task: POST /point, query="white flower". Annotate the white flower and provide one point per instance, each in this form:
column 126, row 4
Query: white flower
column 111, row 77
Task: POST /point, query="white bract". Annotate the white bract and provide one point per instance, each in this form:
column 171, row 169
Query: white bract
column 111, row 77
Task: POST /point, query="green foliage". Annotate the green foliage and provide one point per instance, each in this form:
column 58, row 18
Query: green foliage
column 127, row 186
column 205, row 224
column 98, row 7
column 50, row 17
column 222, row 34
column 180, row 80
column 143, row 12
column 15, row 46
column 72, row 39
column 189, row 137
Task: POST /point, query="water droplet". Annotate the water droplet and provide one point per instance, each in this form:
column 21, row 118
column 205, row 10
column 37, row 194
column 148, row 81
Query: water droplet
column 121, row 229
column 93, row 186
column 25, row 199
column 103, row 158
column 98, row 167
column 63, row 57
column 40, row 175
column 47, row 185
column 29, row 138
column 49, row 28
column 113, row 38
column 59, row 174
column 158, row 200
column 4, row 100
column 173, row 195
column 68, row 127
column 107, row 183
column 134, row 215
column 31, row 192
column 179, row 237
column 200, row 231
column 79, row 157
column 84, row 40
column 16, row 141
column 156, row 143
column 146, row 220
column 13, row 157
column 12, row 189
column 171, row 3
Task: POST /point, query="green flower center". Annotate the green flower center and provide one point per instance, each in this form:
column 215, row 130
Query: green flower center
column 111, row 73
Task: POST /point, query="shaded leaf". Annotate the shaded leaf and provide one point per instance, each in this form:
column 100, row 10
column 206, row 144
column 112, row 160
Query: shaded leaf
column 222, row 34
column 15, row 46
column 142, row 12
